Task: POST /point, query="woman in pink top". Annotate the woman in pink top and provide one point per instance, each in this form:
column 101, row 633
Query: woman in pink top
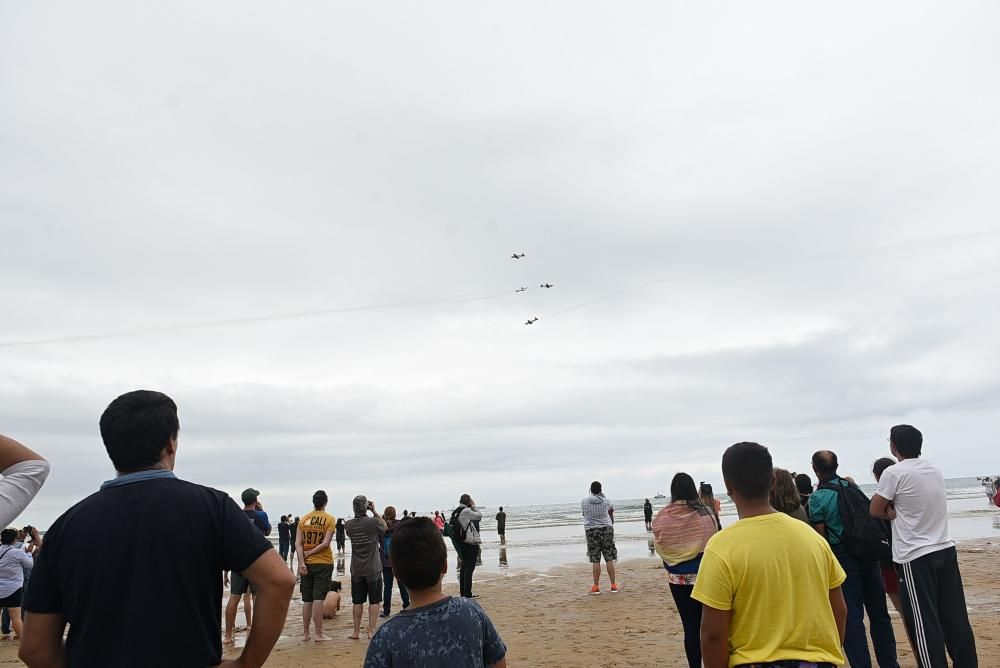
column 439, row 520
column 680, row 532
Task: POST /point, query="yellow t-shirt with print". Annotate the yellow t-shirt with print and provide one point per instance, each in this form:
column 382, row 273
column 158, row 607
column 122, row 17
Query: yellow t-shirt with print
column 314, row 528
column 774, row 573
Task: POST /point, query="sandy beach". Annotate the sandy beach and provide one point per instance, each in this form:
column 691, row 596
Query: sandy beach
column 548, row 619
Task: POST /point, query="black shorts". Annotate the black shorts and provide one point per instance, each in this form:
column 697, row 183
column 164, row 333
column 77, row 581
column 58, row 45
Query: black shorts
column 239, row 585
column 14, row 600
column 367, row 589
column 315, row 584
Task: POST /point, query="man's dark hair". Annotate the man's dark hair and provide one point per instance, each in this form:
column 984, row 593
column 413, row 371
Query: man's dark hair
column 136, row 427
column 595, row 487
column 825, row 462
column 682, row 489
column 8, row 536
column 880, row 465
column 907, row 439
column 465, row 500
column 319, row 499
column 748, row 469
column 417, row 553
column 501, row 509
column 804, row 484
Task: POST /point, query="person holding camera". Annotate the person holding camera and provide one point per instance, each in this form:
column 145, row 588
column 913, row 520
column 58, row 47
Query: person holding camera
column 365, row 533
column 469, row 543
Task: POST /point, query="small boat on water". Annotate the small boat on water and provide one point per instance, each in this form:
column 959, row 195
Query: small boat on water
column 659, row 496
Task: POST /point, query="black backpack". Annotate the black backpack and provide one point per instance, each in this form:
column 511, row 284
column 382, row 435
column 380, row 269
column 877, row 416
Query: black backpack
column 864, row 537
column 457, row 533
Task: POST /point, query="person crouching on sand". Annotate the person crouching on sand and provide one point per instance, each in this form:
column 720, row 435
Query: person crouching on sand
column 680, row 532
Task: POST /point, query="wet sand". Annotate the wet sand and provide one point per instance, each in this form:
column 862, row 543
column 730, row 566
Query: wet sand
column 548, row 619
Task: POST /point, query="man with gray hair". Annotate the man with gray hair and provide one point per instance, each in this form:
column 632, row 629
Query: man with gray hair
column 366, row 534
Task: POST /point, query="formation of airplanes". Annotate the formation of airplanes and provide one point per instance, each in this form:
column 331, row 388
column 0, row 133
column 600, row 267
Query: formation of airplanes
column 546, row 286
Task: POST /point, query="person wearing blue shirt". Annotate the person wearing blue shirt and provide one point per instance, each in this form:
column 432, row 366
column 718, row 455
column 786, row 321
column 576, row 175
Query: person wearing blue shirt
column 240, row 587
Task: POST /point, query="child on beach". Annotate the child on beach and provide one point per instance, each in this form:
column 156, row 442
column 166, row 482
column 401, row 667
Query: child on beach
column 436, row 630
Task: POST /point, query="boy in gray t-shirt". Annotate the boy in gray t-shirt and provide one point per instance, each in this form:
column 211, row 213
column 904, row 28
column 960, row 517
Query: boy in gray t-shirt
column 436, row 630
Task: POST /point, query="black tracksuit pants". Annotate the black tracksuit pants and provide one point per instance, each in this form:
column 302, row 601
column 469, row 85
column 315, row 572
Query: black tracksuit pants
column 935, row 612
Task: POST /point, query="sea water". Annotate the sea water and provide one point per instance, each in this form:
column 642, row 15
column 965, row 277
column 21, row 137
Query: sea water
column 542, row 537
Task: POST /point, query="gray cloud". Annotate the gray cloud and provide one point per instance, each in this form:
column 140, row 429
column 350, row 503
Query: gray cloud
column 724, row 202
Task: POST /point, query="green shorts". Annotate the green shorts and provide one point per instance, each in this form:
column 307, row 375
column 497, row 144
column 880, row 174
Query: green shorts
column 315, row 584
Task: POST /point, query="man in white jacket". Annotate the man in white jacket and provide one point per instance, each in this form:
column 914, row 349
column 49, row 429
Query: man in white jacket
column 468, row 519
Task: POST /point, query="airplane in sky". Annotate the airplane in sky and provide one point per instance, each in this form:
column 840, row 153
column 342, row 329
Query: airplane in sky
column 545, row 285
column 521, row 289
column 532, row 321
column 515, row 256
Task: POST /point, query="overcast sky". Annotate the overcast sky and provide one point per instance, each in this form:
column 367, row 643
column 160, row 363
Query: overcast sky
column 778, row 221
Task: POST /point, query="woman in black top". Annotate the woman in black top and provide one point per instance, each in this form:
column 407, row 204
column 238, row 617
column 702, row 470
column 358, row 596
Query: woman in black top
column 341, row 536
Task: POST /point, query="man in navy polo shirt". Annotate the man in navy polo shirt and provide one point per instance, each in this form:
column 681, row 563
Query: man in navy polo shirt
column 156, row 598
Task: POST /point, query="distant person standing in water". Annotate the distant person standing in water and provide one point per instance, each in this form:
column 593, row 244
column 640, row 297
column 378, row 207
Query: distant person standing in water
column 341, row 535
column 707, row 497
column 284, row 533
column 598, row 525
column 502, row 526
column 912, row 495
column 647, row 512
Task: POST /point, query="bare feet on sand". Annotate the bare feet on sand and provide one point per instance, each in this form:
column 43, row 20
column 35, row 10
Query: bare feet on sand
column 354, row 636
column 227, row 641
column 322, row 638
column 306, row 638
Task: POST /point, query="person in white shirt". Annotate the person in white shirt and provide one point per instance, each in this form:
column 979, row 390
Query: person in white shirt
column 15, row 565
column 912, row 495
column 24, row 472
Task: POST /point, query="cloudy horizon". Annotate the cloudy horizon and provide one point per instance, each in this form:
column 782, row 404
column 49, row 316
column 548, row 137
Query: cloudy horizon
column 772, row 222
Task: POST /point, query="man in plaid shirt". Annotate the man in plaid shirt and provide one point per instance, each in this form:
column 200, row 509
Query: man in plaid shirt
column 598, row 524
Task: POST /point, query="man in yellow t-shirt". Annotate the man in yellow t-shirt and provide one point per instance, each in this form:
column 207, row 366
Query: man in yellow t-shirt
column 769, row 585
column 312, row 545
